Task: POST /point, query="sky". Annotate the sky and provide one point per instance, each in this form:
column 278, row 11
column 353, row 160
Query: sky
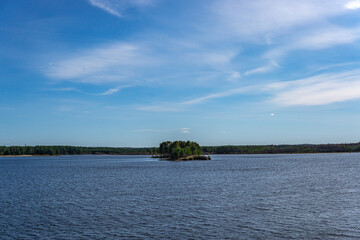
column 138, row 72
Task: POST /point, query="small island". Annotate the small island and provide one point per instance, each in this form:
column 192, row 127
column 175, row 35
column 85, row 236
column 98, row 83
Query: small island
column 180, row 151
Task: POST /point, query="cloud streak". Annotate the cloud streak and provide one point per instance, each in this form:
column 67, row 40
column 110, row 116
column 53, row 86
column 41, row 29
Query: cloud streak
column 181, row 106
column 185, row 130
column 266, row 68
column 182, row 130
column 110, row 91
column 114, row 90
column 353, row 5
column 117, row 7
column 160, row 108
column 328, row 37
column 251, row 18
column 318, row 90
column 217, row 95
column 199, row 59
column 110, row 63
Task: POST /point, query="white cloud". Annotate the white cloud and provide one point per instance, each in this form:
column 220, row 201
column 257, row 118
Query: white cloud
column 315, row 40
column 249, row 18
column 328, row 37
column 110, row 91
column 180, row 106
column 318, row 90
column 110, row 63
column 114, row 90
column 287, row 26
column 185, row 130
column 159, row 108
column 353, row 4
column 64, row 89
column 218, row 59
column 282, row 26
column 234, row 76
column 266, row 68
column 117, row 7
column 321, row 89
column 217, row 95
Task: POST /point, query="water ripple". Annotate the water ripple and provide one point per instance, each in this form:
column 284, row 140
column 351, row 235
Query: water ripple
column 312, row 196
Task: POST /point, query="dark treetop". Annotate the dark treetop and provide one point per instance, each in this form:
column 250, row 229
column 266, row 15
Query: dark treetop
column 180, row 150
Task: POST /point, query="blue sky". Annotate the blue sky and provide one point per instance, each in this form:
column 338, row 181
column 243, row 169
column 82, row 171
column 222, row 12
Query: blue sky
column 138, row 72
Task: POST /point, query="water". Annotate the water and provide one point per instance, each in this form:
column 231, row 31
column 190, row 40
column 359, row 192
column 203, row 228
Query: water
column 312, row 196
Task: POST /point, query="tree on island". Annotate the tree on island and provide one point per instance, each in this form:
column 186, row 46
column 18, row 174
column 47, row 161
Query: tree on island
column 180, row 150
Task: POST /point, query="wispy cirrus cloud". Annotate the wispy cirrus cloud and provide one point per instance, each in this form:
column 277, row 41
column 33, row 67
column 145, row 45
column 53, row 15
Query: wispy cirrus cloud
column 318, row 90
column 182, row 130
column 160, row 107
column 263, row 69
column 117, row 7
column 63, row 89
column 126, row 61
column 185, row 130
column 114, row 90
column 328, row 37
column 110, row 91
column 353, row 5
column 218, row 95
column 250, row 18
column 213, row 58
column 181, row 106
column 113, row 62
column 138, row 62
column 288, row 27
column 321, row 89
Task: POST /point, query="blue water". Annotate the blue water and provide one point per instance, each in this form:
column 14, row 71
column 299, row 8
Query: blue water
column 312, row 196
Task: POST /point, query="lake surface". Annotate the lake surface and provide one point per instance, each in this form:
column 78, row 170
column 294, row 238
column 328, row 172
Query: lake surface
column 304, row 196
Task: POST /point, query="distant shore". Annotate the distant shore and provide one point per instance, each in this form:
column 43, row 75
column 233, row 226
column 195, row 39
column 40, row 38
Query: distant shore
column 17, row 155
column 27, row 151
column 188, row 158
column 164, row 159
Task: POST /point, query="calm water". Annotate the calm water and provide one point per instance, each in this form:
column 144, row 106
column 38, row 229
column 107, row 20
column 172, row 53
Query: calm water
column 314, row 196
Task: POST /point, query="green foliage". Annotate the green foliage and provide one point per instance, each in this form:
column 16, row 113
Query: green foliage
column 266, row 149
column 164, row 148
column 71, row 150
column 178, row 149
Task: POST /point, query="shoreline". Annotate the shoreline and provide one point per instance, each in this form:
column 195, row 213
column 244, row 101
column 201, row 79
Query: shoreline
column 183, row 159
column 18, row 155
column 24, row 155
column 56, row 155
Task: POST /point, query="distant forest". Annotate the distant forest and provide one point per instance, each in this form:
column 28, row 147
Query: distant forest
column 71, row 150
column 250, row 149
column 268, row 149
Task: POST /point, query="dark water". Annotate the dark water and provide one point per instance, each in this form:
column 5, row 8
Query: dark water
column 314, row 196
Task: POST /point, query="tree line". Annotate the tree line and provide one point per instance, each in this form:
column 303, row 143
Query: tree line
column 268, row 149
column 179, row 149
column 72, row 150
